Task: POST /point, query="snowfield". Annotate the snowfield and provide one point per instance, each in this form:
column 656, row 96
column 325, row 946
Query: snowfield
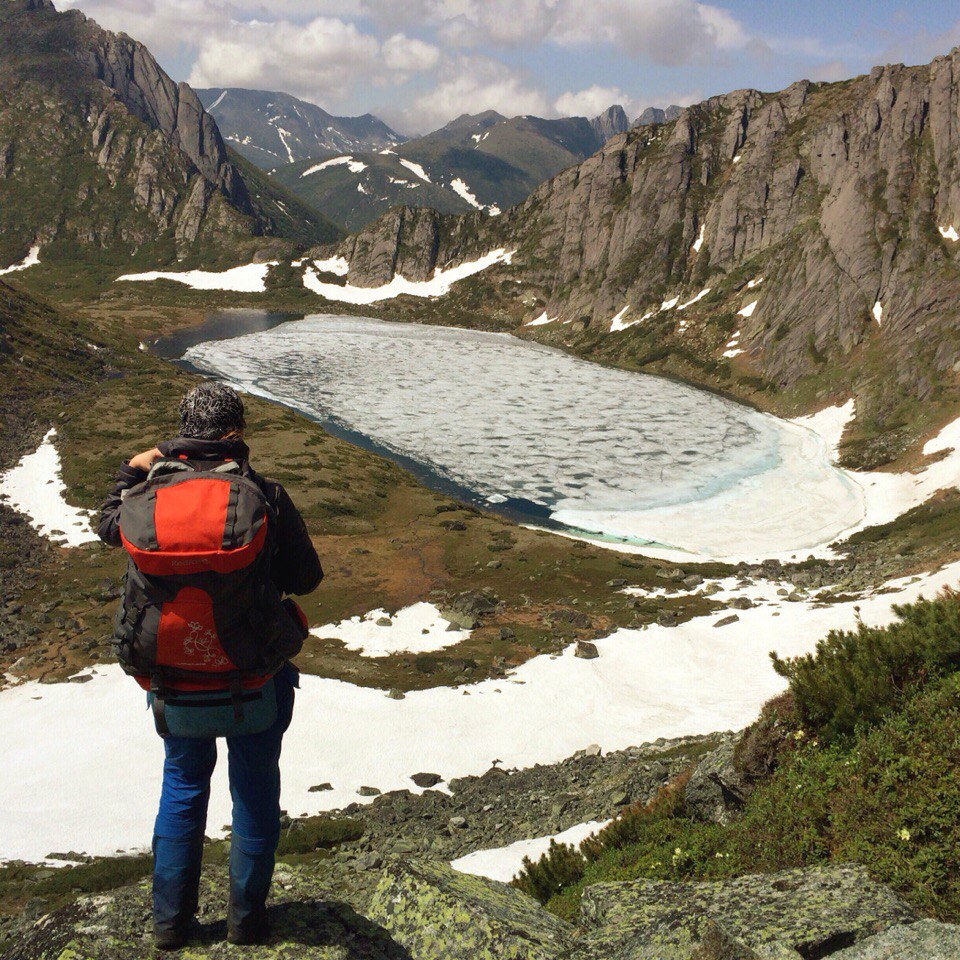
column 35, row 488
column 83, row 764
column 250, row 278
column 437, row 286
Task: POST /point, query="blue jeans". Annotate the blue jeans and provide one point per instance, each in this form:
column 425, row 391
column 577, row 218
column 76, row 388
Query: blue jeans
column 254, row 769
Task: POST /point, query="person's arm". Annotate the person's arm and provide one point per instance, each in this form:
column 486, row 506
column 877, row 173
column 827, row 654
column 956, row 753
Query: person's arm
column 129, row 475
column 296, row 566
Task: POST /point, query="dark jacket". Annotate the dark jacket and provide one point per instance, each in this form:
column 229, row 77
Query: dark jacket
column 295, row 567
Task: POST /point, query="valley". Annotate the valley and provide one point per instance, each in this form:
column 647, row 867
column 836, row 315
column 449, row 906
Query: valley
column 632, row 456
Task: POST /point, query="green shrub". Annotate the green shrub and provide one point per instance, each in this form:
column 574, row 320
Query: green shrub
column 857, row 677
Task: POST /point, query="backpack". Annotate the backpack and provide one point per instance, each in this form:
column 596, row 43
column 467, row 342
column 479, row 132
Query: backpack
column 201, row 621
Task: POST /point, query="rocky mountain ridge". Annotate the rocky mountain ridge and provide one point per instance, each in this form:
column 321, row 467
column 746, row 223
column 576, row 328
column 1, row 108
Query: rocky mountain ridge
column 104, row 157
column 840, row 199
column 270, row 128
column 485, row 162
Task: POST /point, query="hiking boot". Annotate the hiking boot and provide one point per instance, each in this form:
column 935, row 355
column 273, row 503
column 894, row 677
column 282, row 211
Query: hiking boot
column 172, row 937
column 252, row 929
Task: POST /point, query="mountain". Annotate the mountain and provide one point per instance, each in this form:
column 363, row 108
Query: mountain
column 657, row 115
column 807, row 236
column 482, row 162
column 271, row 129
column 103, row 158
column 609, row 123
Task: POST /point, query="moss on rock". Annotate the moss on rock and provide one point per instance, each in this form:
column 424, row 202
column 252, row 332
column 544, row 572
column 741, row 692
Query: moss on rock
column 813, row 912
column 439, row 914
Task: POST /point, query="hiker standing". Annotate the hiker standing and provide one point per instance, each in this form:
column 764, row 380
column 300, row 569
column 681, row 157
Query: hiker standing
column 203, row 627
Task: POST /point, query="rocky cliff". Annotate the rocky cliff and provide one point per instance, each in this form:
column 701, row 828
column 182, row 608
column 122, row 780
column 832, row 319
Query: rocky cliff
column 101, row 151
column 841, row 199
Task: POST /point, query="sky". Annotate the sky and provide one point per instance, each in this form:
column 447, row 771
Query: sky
column 420, row 63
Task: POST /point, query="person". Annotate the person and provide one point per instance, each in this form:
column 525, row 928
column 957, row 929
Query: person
column 211, row 431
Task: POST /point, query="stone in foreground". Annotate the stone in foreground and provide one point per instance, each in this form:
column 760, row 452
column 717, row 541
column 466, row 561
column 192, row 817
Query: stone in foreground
column 439, row 914
column 784, row 915
column 925, row 940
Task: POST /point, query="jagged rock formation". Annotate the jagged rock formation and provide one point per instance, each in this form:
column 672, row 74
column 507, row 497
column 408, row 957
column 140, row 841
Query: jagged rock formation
column 841, row 197
column 410, row 241
column 612, row 121
column 101, row 151
column 657, row 115
column 423, row 910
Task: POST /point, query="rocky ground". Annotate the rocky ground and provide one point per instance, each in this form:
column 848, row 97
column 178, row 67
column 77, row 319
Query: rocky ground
column 422, row 910
column 503, row 806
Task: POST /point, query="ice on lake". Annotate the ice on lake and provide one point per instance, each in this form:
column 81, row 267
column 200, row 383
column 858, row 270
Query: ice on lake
column 610, row 451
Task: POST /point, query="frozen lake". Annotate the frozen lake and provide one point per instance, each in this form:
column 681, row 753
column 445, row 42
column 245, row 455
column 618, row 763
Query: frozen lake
column 620, row 454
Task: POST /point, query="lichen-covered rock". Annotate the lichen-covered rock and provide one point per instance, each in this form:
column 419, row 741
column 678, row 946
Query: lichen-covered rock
column 309, row 913
column 925, row 940
column 439, row 914
column 813, row 912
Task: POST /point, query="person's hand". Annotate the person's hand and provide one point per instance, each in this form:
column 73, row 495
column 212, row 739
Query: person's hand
column 144, row 461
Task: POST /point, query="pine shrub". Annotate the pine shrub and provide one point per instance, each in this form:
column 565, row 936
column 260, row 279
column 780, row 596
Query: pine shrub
column 857, row 677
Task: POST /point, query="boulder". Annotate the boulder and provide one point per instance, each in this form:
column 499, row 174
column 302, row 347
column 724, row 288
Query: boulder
column 439, row 914
column 924, row 940
column 716, row 791
column 426, row 780
column 795, row 913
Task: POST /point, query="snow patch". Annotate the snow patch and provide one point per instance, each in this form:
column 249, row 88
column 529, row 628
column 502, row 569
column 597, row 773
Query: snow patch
column 416, row 169
column 699, row 296
column 504, row 863
column 698, row 243
column 541, row 320
column 460, row 188
column 216, row 103
column 354, row 166
column 419, row 628
column 949, row 233
column 669, row 304
column 738, row 158
column 754, row 283
column 30, row 260
column 337, row 265
column 35, row 488
column 878, row 312
column 747, row 311
column 437, row 286
column 617, row 323
column 250, row 278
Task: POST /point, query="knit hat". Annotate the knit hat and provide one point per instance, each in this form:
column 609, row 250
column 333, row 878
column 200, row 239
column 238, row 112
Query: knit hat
column 210, row 411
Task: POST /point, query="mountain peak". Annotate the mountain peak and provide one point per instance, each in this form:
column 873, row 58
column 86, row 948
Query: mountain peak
column 612, row 121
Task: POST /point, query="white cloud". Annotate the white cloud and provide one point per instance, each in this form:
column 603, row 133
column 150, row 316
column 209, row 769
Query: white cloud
column 669, row 32
column 592, row 101
column 324, row 60
column 409, row 55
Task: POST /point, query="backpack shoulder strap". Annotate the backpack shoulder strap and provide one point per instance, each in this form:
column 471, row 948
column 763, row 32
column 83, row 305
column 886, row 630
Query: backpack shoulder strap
column 168, row 465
